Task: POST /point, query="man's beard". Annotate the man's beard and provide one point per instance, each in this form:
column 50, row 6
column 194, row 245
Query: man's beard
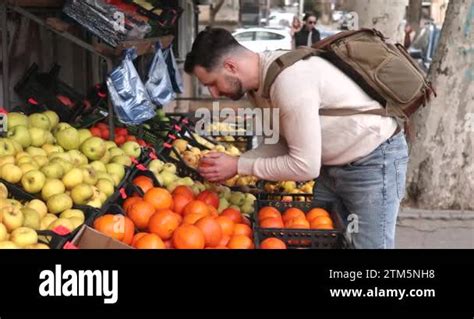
column 237, row 88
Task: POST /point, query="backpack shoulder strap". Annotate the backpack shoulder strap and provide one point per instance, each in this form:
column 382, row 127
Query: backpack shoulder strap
column 283, row 62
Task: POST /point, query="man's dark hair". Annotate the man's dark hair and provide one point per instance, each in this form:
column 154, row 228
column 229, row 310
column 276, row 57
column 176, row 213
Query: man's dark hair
column 309, row 15
column 208, row 48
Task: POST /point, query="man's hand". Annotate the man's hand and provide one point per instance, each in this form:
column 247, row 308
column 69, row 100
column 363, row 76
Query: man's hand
column 218, row 167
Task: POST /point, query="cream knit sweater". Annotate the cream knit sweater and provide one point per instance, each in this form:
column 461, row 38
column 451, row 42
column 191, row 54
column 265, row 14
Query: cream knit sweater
column 308, row 141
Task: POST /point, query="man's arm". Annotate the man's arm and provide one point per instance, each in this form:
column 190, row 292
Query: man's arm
column 296, row 95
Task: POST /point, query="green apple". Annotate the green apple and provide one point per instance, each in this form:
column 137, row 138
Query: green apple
column 117, row 169
column 106, row 158
column 53, row 170
column 60, row 127
column 132, row 149
column 7, row 159
column 24, row 236
column 115, row 151
column 104, row 175
column 116, row 178
column 89, row 175
column 7, row 147
column 64, row 156
column 167, row 178
column 33, row 181
column 98, row 166
column 247, row 209
column 103, row 197
column 27, row 160
column 81, row 194
column 67, row 166
column 3, row 233
column 41, row 161
column 31, row 218
column 18, row 156
column 94, row 148
column 77, row 158
column 122, row 159
column 21, row 135
column 11, row 173
column 17, row 146
column 73, row 178
column 110, row 145
column 188, row 181
column 68, row 139
column 52, row 187
column 53, row 118
column 12, row 218
column 37, row 246
column 84, row 134
column 8, row 245
column 47, row 220
column 50, row 148
column 76, row 222
column 106, row 186
column 59, row 203
column 156, row 166
column 15, row 119
column 223, row 205
column 3, row 192
column 170, row 168
column 50, row 139
column 39, row 120
column 76, row 213
column 64, row 222
column 36, row 151
column 96, row 203
column 39, row 206
column 38, row 136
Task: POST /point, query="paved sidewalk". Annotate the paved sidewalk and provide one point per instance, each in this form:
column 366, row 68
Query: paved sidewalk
column 435, row 229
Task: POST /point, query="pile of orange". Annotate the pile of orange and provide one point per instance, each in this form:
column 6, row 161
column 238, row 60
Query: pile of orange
column 294, row 218
column 177, row 220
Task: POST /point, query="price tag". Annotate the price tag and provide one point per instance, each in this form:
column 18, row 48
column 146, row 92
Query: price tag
column 61, row 231
column 70, row 245
column 123, row 194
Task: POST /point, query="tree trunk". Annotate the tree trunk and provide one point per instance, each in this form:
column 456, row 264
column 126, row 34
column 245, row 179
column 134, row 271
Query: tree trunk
column 215, row 7
column 414, row 14
column 384, row 15
column 441, row 170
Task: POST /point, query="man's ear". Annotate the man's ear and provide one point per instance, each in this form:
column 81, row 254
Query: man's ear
column 230, row 65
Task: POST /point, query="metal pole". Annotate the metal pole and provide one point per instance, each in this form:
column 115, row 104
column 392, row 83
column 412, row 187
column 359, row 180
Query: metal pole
column 301, row 8
column 5, row 58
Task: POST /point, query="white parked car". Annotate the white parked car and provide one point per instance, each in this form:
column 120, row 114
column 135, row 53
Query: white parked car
column 264, row 39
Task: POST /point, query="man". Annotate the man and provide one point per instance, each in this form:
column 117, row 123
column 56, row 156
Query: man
column 308, row 35
column 360, row 161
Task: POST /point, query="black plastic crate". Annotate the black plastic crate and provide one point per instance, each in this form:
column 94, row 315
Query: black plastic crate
column 303, row 238
column 57, row 241
column 182, row 169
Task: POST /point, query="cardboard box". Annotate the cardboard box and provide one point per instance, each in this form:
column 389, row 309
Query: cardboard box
column 88, row 238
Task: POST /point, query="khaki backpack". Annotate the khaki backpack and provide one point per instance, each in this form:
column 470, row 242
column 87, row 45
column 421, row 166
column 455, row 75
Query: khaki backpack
column 385, row 71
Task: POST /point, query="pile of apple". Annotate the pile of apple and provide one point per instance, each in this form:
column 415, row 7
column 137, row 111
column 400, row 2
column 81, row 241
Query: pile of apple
column 60, row 164
column 290, row 187
column 19, row 222
column 192, row 157
column 122, row 135
column 168, row 178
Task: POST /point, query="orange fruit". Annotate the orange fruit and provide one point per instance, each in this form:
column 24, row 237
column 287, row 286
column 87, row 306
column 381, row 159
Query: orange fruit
column 180, row 201
column 316, row 212
column 150, row 241
column 246, row 221
column 197, row 207
column 210, row 198
column 242, row 229
column 129, row 202
column 240, row 242
column 193, row 218
column 140, row 213
column 292, row 213
column 298, row 223
column 169, row 244
column 137, row 237
column 272, row 222
column 160, row 198
column 273, row 243
column 144, row 183
column 213, row 211
column 118, row 227
column 163, row 223
column 184, row 191
column 188, row 237
column 224, row 241
column 227, row 225
column 233, row 214
column 322, row 222
column 211, row 229
column 268, row 212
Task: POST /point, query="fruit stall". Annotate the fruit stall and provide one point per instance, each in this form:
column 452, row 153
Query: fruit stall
column 78, row 172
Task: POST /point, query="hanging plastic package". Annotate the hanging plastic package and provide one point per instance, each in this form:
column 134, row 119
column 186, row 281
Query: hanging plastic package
column 159, row 85
column 128, row 94
column 173, row 70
